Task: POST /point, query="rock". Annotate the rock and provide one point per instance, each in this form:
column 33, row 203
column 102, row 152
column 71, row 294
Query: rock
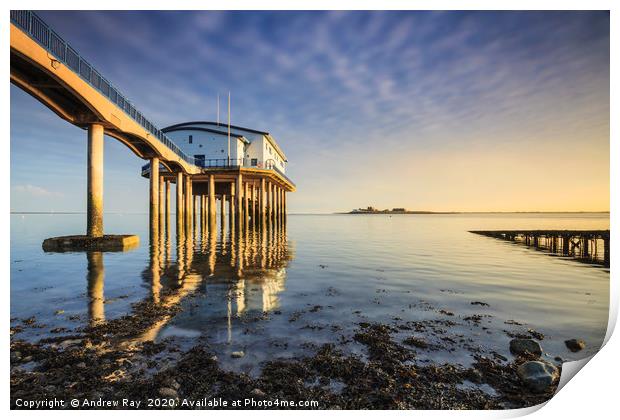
column 258, row 392
column 27, row 359
column 237, row 354
column 538, row 375
column 167, row 393
column 525, row 346
column 575, row 345
column 416, row 342
column 214, row 358
column 174, row 384
column 59, row 312
column 81, row 365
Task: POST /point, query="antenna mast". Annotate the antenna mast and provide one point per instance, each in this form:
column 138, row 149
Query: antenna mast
column 229, row 127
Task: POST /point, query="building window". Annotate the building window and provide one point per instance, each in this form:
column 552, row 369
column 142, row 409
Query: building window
column 191, row 138
column 254, row 162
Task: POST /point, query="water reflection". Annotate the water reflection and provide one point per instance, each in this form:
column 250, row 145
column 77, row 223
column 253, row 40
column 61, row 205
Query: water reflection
column 235, row 268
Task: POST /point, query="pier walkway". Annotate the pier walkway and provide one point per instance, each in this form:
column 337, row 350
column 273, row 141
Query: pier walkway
column 584, row 245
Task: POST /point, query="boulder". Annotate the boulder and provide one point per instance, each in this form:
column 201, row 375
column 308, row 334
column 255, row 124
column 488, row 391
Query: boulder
column 524, row 347
column 575, row 345
column 538, row 375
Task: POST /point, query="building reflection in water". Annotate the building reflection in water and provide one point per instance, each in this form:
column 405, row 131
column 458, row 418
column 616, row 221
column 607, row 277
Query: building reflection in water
column 233, row 269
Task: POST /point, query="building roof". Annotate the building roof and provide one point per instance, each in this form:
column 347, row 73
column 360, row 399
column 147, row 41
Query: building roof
column 184, row 126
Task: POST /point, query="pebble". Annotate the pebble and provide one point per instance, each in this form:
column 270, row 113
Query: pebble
column 167, row 392
column 538, row 375
column 575, row 345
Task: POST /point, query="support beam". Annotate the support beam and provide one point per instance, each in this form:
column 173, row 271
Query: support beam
column 179, row 204
column 223, row 210
column 154, row 199
column 239, row 198
column 231, row 205
column 211, row 199
column 167, row 207
column 94, row 205
column 162, row 203
column 262, row 199
column 246, row 203
column 253, row 202
column 188, row 207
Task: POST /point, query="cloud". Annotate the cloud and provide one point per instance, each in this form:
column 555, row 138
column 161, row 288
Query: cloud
column 35, row 191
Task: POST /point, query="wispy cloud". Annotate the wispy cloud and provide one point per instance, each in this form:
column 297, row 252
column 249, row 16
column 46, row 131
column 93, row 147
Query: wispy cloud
column 36, row 191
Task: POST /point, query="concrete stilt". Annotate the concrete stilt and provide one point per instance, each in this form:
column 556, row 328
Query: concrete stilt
column 188, row 208
column 262, row 199
column 253, row 203
column 167, row 209
column 211, row 199
column 231, row 205
column 223, row 210
column 239, row 198
column 154, row 199
column 94, row 206
column 179, row 203
column 246, row 203
column 162, row 203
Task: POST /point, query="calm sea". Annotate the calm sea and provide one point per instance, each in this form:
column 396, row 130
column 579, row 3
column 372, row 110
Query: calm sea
column 279, row 293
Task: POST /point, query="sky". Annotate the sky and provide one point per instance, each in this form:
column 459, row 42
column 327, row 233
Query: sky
column 439, row 111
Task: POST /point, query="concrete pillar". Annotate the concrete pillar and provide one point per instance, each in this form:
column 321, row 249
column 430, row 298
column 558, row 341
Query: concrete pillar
column 284, row 202
column 167, row 208
column 179, row 204
column 253, row 202
column 239, row 198
column 262, row 200
column 223, row 210
column 231, row 204
column 188, row 207
column 162, row 203
column 246, row 203
column 154, row 199
column 94, row 205
column 195, row 209
column 211, row 199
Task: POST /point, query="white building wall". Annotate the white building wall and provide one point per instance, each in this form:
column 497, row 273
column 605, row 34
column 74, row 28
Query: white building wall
column 212, row 145
column 215, row 146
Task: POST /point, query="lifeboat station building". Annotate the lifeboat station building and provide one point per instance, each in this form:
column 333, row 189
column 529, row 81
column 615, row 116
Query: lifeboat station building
column 240, row 170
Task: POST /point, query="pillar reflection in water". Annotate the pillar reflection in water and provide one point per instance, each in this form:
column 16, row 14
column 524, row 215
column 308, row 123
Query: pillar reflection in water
column 95, row 276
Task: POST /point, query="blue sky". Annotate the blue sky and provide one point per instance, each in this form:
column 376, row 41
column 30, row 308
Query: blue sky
column 426, row 110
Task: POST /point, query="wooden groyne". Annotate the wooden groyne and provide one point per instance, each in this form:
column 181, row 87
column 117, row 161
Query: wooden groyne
column 584, row 245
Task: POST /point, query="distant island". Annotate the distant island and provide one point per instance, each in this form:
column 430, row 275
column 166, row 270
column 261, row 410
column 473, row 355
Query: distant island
column 402, row 210
column 395, row 210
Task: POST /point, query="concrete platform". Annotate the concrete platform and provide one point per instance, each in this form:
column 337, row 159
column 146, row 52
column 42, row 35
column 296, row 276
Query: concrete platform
column 86, row 243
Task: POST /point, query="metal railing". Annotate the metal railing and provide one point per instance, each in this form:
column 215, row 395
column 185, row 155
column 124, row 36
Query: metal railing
column 224, row 163
column 45, row 36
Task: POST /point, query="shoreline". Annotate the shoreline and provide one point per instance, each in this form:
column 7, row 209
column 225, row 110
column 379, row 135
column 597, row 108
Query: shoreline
column 104, row 362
